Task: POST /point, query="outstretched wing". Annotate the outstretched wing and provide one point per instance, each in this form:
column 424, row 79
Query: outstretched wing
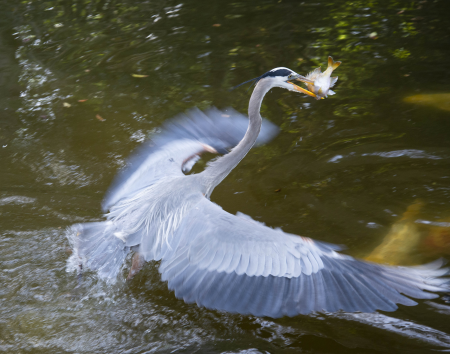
column 178, row 147
column 233, row 263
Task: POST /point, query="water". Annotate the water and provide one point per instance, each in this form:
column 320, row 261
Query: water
column 347, row 167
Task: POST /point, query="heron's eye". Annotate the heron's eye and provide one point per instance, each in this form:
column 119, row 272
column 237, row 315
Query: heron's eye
column 290, row 76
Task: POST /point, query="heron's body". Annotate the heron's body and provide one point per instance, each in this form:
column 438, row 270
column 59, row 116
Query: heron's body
column 224, row 261
column 162, row 207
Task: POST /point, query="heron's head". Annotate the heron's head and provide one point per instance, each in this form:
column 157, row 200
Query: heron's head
column 282, row 77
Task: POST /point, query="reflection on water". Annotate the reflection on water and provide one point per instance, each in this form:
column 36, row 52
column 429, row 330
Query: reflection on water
column 404, row 328
column 347, row 167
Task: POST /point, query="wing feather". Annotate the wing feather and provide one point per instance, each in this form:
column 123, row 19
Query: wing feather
column 226, row 261
column 307, row 297
column 243, row 264
column 209, row 258
column 252, row 266
column 268, row 266
column 218, row 259
column 283, row 265
column 312, row 260
column 177, row 147
column 378, row 298
column 306, row 265
column 234, row 261
column 290, row 266
column 249, row 268
column 177, row 266
column 248, row 297
column 342, row 292
column 292, row 298
column 261, row 263
column 275, row 265
column 207, row 284
column 330, row 286
column 257, row 306
column 192, row 277
column 297, row 269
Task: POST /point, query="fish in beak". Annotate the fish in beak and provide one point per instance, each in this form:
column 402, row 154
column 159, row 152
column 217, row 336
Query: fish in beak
column 300, row 89
column 322, row 81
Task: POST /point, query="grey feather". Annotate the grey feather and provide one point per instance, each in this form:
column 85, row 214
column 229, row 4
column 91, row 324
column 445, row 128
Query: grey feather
column 328, row 281
column 96, row 247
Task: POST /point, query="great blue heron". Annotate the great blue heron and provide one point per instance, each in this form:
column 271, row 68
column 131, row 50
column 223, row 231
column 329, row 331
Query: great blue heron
column 222, row 261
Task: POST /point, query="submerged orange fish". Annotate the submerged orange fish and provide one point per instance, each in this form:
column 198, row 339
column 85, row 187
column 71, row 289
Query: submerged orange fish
column 399, row 246
column 322, row 81
column 438, row 100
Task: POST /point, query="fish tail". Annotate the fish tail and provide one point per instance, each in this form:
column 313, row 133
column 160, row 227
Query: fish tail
column 333, row 64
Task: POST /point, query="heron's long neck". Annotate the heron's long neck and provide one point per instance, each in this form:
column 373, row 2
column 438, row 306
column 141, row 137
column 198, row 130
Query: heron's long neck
column 220, row 168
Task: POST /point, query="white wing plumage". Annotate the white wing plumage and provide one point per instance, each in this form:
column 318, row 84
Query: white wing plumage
column 177, row 147
column 233, row 263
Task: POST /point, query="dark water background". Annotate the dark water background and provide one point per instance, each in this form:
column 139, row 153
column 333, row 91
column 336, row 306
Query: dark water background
column 347, row 167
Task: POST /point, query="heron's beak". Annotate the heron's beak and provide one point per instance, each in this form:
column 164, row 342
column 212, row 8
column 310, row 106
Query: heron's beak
column 304, row 79
column 302, row 90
